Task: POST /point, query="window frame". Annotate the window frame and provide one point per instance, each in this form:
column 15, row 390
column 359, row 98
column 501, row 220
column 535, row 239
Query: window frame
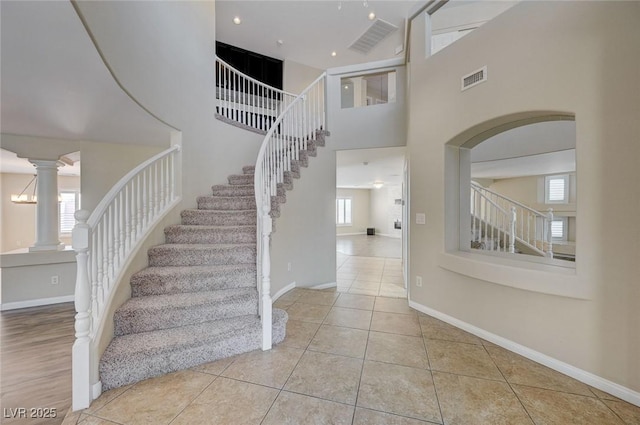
column 350, row 222
column 76, row 194
column 565, row 229
column 547, row 183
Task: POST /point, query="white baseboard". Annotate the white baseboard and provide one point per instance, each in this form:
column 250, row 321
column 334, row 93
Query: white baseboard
column 351, row 234
column 325, row 285
column 588, row 378
column 36, row 303
column 283, row 291
column 388, row 235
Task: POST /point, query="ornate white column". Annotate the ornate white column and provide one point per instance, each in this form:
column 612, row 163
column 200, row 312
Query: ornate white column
column 47, row 209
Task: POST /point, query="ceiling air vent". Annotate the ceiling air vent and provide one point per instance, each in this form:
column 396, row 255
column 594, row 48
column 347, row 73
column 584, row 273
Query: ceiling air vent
column 378, row 30
column 475, row 78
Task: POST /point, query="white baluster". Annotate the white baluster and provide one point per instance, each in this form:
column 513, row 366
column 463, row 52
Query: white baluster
column 549, row 250
column 81, row 353
column 512, row 226
column 266, row 276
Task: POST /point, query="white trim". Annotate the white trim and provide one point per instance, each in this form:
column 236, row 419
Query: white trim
column 283, row 291
column 325, row 285
column 96, row 390
column 350, row 234
column 389, row 236
column 36, row 303
column 581, row 375
column 369, row 67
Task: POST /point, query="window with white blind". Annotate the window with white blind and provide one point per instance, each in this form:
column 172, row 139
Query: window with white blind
column 559, row 229
column 69, row 204
column 556, row 189
column 343, row 211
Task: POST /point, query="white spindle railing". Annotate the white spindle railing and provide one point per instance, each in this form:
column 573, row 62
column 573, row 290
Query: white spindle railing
column 495, row 218
column 299, row 123
column 104, row 241
column 246, row 100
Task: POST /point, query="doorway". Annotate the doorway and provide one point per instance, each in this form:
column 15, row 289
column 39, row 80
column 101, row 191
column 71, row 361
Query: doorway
column 370, row 217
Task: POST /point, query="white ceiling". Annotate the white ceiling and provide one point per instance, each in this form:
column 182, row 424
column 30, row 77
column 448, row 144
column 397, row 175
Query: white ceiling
column 535, row 149
column 10, row 163
column 311, row 30
column 54, row 84
column 384, row 165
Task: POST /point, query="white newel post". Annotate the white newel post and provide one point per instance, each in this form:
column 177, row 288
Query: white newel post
column 81, row 354
column 266, row 274
column 512, row 229
column 549, row 252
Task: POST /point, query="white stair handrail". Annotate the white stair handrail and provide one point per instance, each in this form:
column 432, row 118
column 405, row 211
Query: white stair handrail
column 298, row 123
column 247, row 101
column 104, row 242
column 533, row 228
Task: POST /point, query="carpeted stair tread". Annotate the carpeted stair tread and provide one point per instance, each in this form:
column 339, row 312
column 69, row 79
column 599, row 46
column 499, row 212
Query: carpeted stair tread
column 249, row 169
column 196, row 234
column 180, row 279
column 226, row 203
column 233, row 190
column 201, row 254
column 144, row 314
column 133, row 358
column 240, row 179
column 219, row 218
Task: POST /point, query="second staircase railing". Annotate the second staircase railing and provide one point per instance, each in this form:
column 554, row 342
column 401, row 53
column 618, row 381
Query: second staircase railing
column 497, row 222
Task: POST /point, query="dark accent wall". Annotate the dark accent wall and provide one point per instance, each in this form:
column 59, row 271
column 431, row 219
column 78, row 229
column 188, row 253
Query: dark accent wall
column 262, row 68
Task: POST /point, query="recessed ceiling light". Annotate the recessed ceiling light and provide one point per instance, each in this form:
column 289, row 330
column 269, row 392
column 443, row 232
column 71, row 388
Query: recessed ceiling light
column 372, row 16
column 237, row 20
column 334, row 54
column 346, row 87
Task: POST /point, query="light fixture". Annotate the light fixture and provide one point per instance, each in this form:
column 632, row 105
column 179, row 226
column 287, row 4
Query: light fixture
column 237, row 20
column 24, row 198
column 372, row 16
column 334, row 54
column 346, row 87
column 378, row 185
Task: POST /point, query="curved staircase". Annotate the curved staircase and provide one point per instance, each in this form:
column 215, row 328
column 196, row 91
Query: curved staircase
column 197, row 301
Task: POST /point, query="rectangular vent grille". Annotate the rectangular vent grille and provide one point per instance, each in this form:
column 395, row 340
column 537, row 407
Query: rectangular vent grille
column 378, row 30
column 475, row 78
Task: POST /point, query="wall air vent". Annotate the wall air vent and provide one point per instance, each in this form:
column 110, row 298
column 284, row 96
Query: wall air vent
column 378, row 30
column 475, row 78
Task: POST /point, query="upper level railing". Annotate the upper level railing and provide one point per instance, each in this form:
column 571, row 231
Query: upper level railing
column 247, row 101
column 495, row 218
column 290, row 133
column 104, row 243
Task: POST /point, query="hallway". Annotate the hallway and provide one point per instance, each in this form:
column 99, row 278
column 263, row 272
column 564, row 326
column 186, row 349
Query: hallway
column 370, row 265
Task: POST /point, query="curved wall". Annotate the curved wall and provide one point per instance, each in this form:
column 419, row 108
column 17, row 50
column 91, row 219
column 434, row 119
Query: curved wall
column 577, row 57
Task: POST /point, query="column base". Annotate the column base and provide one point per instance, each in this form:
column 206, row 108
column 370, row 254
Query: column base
column 40, row 248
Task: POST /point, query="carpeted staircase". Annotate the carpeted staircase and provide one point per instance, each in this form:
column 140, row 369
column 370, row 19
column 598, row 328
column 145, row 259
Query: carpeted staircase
column 197, row 301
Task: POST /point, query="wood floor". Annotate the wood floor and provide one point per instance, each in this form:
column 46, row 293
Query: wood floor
column 35, row 359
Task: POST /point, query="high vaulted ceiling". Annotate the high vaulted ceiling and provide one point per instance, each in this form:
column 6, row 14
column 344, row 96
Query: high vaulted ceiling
column 311, row 30
column 54, row 83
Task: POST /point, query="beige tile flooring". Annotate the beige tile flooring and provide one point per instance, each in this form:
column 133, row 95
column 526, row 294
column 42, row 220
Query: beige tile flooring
column 377, row 276
column 361, row 359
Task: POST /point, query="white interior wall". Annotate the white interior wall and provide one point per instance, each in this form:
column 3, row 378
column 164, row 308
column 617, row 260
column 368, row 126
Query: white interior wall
column 360, row 211
column 297, row 76
column 384, row 210
column 532, row 51
column 374, row 126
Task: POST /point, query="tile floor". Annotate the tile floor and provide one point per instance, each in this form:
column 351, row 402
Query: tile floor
column 360, row 359
column 377, row 276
